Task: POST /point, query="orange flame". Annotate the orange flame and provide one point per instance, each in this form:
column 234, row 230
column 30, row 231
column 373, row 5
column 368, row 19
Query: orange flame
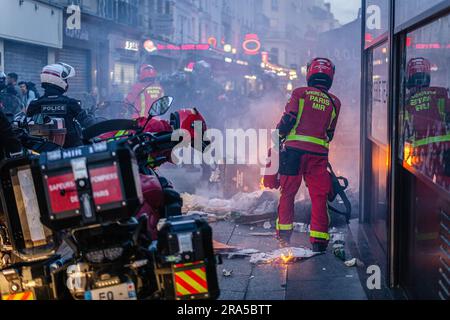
column 261, row 184
column 287, row 258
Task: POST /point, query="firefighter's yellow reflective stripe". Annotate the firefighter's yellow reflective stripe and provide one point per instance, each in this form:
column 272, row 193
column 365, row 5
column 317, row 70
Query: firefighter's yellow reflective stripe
column 333, row 116
column 301, row 107
column 284, row 227
column 293, row 136
column 314, row 140
column 25, row 296
column 319, row 235
column 430, row 140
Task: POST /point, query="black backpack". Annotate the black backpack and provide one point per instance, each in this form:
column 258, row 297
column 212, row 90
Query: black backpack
column 32, row 87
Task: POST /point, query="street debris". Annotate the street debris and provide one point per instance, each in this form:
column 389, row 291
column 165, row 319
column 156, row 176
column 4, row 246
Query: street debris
column 242, row 253
column 227, row 273
column 285, row 255
column 267, row 225
column 263, row 234
column 301, row 227
column 354, row 263
column 256, row 206
column 220, row 247
column 340, row 253
column 337, row 238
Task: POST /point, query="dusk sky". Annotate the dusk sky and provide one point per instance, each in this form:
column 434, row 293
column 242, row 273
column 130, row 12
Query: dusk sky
column 345, row 10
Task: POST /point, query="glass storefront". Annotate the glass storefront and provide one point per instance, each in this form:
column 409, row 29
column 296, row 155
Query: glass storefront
column 407, row 9
column 379, row 95
column 406, row 143
column 425, row 104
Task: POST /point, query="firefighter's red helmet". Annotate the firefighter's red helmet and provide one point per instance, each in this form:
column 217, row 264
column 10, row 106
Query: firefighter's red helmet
column 186, row 119
column 418, row 73
column 147, row 72
column 321, row 73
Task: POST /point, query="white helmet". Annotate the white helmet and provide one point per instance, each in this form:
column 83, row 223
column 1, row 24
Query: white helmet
column 2, row 75
column 57, row 75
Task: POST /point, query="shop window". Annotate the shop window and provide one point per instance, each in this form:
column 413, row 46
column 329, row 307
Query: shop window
column 424, row 103
column 407, row 9
column 378, row 91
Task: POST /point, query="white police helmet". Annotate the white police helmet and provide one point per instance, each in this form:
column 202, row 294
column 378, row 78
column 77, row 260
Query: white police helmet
column 56, row 75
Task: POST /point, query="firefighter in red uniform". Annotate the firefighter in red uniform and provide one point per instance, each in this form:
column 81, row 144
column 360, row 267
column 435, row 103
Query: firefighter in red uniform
column 145, row 92
column 307, row 126
column 428, row 115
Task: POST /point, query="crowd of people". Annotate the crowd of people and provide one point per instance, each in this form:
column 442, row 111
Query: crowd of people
column 15, row 95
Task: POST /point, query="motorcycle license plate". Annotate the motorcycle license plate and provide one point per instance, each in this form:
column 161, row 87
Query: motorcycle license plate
column 124, row 291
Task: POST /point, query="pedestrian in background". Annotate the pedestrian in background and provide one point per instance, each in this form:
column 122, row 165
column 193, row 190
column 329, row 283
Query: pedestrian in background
column 25, row 94
column 11, row 83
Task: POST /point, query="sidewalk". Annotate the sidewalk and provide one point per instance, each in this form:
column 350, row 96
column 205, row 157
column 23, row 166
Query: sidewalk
column 323, row 277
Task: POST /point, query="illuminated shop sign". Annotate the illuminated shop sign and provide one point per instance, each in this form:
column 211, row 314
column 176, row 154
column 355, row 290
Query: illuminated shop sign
column 212, row 41
column 151, row 46
column 131, row 45
column 251, row 44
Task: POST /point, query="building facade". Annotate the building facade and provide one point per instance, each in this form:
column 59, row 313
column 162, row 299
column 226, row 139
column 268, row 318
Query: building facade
column 101, row 40
column 294, row 27
column 405, row 143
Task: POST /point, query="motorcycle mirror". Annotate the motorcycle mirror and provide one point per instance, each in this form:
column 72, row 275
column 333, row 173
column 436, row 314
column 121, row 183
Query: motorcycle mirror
column 160, row 106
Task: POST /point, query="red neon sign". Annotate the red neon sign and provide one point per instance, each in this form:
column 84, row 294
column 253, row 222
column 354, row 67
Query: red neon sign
column 212, row 41
column 150, row 46
column 251, row 44
column 428, row 46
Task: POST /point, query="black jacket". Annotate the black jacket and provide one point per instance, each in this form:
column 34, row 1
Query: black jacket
column 8, row 140
column 61, row 106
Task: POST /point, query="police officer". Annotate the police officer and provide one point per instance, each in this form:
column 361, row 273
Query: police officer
column 308, row 125
column 54, row 81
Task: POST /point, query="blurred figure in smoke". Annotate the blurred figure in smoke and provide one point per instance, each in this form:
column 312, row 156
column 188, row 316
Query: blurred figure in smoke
column 145, row 92
column 428, row 116
column 308, row 126
column 206, row 93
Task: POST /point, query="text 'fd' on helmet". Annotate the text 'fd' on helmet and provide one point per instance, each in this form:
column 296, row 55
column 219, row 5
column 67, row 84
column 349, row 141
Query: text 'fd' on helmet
column 418, row 73
column 56, row 76
column 321, row 73
column 147, row 72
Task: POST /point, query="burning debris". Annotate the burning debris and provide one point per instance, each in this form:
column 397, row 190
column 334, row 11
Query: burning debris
column 282, row 256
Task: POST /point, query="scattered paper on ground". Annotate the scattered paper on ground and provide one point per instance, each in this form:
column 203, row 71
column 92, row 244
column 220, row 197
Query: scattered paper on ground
column 282, row 255
column 242, row 253
column 263, row 234
column 222, row 247
column 255, row 203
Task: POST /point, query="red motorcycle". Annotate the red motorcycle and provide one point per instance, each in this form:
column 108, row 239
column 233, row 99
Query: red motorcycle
column 160, row 198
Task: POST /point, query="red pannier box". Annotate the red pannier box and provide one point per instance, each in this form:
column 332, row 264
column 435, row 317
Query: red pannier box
column 87, row 185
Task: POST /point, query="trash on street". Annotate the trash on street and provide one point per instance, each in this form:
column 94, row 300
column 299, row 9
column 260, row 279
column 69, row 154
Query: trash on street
column 285, row 255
